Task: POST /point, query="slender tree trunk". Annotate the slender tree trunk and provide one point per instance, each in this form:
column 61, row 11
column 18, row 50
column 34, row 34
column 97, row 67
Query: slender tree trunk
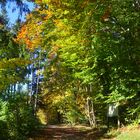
column 37, row 83
column 36, row 94
column 91, row 113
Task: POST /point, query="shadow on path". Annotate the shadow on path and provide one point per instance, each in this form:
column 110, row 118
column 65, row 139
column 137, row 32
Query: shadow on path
column 54, row 132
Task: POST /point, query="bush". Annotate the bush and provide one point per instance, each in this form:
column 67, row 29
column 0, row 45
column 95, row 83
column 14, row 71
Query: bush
column 19, row 120
column 3, row 123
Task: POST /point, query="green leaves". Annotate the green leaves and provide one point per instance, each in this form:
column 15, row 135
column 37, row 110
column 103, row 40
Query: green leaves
column 87, row 44
column 3, row 110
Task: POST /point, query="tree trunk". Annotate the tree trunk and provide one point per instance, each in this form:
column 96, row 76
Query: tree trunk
column 90, row 112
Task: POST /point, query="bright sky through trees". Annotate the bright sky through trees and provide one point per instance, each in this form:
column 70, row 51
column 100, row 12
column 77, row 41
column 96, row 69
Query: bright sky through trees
column 13, row 11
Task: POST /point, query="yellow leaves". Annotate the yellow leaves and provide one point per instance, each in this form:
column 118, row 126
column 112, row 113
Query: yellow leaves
column 58, row 99
column 1, row 26
column 29, row 16
column 42, row 116
column 39, row 72
column 42, row 1
column 29, row 35
column 53, row 69
column 13, row 63
column 59, row 24
column 38, row 1
column 32, row 32
column 8, row 71
column 45, row 14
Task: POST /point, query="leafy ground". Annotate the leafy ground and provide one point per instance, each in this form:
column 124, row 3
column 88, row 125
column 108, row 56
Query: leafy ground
column 53, row 132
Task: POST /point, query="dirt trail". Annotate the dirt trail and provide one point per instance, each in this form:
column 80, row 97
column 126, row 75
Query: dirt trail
column 54, row 132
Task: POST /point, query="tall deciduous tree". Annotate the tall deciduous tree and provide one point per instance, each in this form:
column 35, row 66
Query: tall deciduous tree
column 92, row 48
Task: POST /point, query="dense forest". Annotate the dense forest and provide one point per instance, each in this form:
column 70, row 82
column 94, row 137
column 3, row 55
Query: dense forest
column 67, row 62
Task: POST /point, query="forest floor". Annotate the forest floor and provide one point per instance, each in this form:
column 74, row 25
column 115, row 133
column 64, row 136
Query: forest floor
column 63, row 132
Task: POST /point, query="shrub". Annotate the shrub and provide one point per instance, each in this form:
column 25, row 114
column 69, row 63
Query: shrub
column 18, row 119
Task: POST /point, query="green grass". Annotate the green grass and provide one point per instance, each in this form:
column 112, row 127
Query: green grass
column 130, row 132
column 129, row 135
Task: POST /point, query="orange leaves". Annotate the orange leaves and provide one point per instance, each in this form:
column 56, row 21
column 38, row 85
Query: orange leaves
column 22, row 33
column 38, row 1
column 23, row 37
column 28, row 43
column 32, row 32
column 29, row 35
column 106, row 15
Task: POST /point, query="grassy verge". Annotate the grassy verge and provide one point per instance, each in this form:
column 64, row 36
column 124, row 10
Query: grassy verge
column 125, row 133
column 129, row 135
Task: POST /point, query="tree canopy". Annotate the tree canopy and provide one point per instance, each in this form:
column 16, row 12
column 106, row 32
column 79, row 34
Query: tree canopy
column 76, row 58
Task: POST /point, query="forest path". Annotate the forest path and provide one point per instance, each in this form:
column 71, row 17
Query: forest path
column 57, row 132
